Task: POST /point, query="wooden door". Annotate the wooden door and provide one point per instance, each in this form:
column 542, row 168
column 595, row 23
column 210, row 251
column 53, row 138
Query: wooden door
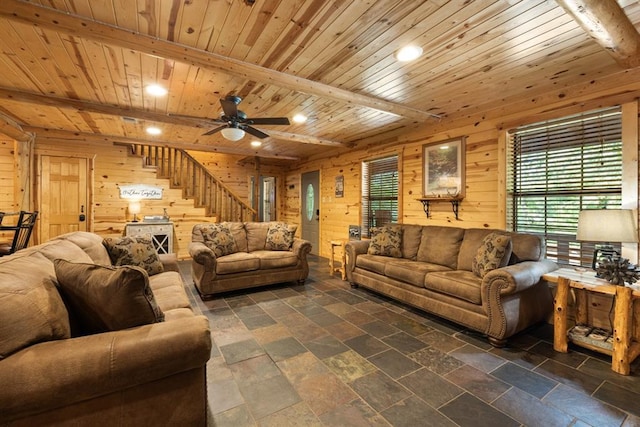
column 63, row 196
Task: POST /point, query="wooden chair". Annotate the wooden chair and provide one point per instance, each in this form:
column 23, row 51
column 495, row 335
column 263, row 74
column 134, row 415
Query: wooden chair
column 22, row 232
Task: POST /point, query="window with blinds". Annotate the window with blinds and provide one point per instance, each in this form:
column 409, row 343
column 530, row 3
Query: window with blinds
column 379, row 193
column 557, row 168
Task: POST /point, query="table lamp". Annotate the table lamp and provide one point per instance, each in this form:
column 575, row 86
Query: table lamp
column 606, row 226
column 134, row 208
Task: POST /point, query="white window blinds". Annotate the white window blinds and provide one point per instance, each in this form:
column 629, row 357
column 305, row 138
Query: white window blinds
column 379, row 193
column 557, row 168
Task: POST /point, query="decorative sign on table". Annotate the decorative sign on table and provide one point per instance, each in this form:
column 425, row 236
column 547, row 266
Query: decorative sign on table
column 140, row 192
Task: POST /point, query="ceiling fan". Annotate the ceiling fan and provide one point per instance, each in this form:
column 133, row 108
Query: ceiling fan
column 236, row 122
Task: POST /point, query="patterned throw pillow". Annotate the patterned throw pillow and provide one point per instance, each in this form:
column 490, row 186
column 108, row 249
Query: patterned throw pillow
column 280, row 236
column 219, row 239
column 106, row 298
column 494, row 252
column 134, row 250
column 386, row 241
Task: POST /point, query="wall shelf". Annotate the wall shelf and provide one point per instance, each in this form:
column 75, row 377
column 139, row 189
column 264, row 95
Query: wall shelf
column 455, row 203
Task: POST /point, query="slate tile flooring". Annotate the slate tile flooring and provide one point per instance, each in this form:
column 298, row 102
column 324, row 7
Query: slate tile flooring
column 323, row 354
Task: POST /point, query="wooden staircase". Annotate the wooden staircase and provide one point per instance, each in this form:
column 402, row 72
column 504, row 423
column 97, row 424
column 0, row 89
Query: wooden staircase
column 196, row 182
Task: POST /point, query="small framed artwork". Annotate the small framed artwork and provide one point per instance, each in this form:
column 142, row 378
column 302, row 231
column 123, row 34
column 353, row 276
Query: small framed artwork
column 443, row 168
column 340, row 186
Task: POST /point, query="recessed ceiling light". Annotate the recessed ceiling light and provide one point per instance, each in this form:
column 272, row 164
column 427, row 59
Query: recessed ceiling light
column 408, row 53
column 299, row 118
column 156, row 90
column 256, row 143
column 151, row 130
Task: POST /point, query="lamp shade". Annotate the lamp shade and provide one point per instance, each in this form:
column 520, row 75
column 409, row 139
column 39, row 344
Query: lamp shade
column 134, row 207
column 607, row 225
column 232, row 134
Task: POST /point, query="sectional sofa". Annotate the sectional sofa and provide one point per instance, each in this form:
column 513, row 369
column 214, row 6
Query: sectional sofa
column 229, row 256
column 486, row 280
column 85, row 343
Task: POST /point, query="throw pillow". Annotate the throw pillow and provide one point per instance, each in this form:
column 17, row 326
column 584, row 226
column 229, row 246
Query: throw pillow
column 494, row 252
column 386, row 241
column 219, row 239
column 280, row 236
column 134, row 250
column 31, row 314
column 107, row 298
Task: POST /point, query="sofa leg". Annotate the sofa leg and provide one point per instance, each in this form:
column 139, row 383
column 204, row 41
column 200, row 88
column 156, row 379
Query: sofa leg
column 497, row 342
column 301, row 282
column 353, row 285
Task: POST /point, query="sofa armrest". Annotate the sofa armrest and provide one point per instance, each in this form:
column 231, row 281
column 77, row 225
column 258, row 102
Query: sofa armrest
column 201, row 254
column 53, row 374
column 301, row 248
column 352, row 249
column 517, row 277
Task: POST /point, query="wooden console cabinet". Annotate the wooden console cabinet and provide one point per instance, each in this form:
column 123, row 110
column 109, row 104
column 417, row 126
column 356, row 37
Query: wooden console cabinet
column 161, row 234
column 624, row 347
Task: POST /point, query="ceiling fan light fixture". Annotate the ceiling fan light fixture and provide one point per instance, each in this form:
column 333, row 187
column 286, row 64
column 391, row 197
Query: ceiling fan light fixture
column 408, row 53
column 232, row 134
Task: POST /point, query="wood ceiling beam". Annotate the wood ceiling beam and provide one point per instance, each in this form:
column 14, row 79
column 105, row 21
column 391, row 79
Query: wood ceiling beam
column 67, row 135
column 12, row 129
column 83, row 27
column 91, row 107
column 607, row 24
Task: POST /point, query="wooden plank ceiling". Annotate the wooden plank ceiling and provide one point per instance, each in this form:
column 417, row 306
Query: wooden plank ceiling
column 77, row 67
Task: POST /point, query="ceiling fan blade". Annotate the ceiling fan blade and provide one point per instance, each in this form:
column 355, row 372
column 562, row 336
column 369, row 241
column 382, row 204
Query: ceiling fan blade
column 212, row 131
column 269, row 121
column 255, row 132
column 230, row 107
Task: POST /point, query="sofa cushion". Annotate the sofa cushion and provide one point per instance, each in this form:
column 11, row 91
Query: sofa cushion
column 458, row 283
column 90, row 243
column 280, row 236
column 237, row 263
column 31, row 312
column 494, row 252
column 412, row 272
column 386, row 241
column 276, row 259
column 440, row 245
column 374, row 263
column 134, row 250
column 527, row 247
column 256, row 235
column 168, row 291
column 239, row 234
column 219, row 239
column 411, row 235
column 469, row 248
column 107, row 298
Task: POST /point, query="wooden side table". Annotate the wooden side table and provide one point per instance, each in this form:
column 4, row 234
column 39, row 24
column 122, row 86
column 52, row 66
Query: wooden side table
column 625, row 346
column 343, row 258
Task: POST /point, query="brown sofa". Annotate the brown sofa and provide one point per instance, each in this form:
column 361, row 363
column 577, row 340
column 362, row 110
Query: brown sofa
column 152, row 374
column 432, row 268
column 247, row 260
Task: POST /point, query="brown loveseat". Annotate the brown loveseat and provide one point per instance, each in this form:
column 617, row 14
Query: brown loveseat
column 449, row 271
column 237, row 255
column 151, row 374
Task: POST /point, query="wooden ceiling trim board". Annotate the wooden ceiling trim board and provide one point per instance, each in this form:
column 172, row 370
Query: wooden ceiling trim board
column 83, row 27
column 9, row 127
column 145, row 115
column 113, row 139
column 607, row 24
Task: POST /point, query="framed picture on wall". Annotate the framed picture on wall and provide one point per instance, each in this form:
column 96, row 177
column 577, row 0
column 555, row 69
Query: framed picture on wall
column 443, row 168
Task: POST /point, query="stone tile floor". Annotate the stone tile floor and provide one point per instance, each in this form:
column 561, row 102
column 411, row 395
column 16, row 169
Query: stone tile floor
column 324, row 354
